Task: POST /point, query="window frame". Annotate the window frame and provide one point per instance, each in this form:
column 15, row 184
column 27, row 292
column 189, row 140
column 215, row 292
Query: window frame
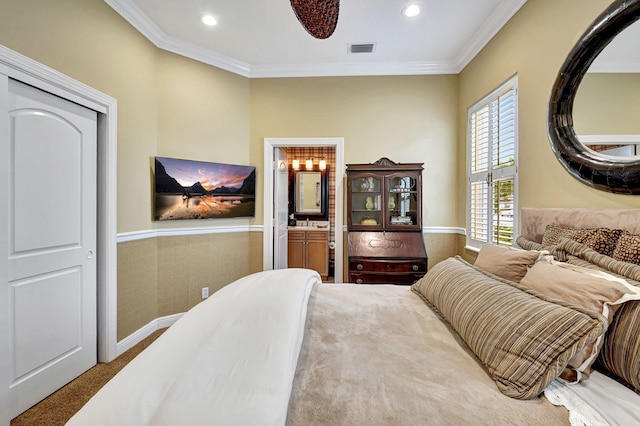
column 492, row 174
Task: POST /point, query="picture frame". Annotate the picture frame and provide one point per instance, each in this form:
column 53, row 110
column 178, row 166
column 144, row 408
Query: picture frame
column 190, row 189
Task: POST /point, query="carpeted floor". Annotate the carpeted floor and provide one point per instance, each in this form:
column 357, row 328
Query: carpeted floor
column 58, row 408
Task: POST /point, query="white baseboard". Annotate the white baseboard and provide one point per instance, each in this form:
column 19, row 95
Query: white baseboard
column 144, row 332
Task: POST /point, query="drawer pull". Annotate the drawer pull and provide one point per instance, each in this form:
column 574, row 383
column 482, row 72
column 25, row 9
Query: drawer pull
column 359, row 267
column 415, row 267
column 359, row 281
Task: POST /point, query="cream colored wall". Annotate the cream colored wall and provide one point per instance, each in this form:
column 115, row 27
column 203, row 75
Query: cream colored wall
column 203, row 114
column 534, row 45
column 607, row 104
column 88, row 41
column 405, row 118
column 167, row 106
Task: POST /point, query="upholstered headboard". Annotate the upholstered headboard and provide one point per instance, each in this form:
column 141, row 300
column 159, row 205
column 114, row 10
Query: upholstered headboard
column 534, row 220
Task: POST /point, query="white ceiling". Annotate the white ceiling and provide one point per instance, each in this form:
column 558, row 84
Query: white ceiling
column 263, row 38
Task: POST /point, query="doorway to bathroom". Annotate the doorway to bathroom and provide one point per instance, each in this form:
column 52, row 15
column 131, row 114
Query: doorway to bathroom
column 277, row 152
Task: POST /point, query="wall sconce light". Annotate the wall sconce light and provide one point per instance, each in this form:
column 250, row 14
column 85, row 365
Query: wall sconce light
column 295, row 164
column 309, row 164
column 323, row 164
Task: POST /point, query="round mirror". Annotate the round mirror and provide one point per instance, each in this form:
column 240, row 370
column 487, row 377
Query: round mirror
column 612, row 173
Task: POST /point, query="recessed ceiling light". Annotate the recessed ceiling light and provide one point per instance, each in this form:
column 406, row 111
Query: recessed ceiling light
column 209, row 20
column 411, row 11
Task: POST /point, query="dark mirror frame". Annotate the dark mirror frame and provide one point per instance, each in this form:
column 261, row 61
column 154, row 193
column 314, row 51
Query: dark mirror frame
column 618, row 175
column 324, row 195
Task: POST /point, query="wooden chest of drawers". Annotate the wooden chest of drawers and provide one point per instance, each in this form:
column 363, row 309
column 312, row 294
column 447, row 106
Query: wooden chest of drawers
column 386, row 257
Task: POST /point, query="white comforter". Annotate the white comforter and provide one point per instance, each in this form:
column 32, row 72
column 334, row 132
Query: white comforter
column 186, row 377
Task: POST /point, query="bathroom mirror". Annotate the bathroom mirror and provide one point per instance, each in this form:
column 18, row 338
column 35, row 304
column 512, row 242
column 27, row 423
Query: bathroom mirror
column 310, row 194
column 618, row 174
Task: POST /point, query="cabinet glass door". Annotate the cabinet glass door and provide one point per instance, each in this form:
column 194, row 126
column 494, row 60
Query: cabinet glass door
column 366, row 203
column 402, row 201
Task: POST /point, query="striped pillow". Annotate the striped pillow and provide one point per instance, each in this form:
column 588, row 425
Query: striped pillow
column 522, row 338
column 595, row 290
column 620, row 353
column 557, row 253
column 628, row 270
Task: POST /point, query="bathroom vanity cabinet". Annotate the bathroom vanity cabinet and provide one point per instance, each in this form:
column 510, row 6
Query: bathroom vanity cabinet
column 309, row 248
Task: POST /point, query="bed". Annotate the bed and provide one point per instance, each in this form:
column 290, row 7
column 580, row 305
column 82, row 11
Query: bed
column 468, row 344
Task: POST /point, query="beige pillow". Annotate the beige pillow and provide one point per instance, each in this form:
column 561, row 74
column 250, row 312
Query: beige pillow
column 593, row 290
column 506, row 262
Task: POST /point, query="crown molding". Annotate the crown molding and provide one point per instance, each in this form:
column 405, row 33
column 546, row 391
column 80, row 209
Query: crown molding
column 339, row 69
column 149, row 29
column 497, row 19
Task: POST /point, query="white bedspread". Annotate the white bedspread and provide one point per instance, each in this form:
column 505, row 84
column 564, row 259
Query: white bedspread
column 188, row 377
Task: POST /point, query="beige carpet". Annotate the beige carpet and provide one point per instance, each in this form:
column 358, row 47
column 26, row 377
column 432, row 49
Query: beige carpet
column 58, row 408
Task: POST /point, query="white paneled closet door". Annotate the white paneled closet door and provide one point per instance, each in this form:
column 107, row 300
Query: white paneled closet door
column 49, row 184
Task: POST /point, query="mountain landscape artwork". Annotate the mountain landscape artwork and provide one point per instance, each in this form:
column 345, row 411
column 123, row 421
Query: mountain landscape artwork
column 187, row 189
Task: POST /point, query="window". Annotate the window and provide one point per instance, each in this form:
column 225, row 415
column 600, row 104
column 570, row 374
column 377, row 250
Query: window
column 492, row 160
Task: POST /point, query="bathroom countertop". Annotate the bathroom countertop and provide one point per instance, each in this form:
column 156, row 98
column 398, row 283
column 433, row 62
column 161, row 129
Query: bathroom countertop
column 308, row 228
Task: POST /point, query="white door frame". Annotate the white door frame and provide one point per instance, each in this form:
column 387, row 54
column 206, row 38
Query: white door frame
column 21, row 68
column 267, row 239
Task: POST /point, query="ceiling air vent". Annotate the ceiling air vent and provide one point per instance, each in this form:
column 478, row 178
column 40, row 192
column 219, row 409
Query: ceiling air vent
column 361, row 48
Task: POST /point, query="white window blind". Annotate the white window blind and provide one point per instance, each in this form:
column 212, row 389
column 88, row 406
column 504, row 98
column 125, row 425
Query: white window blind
column 492, row 167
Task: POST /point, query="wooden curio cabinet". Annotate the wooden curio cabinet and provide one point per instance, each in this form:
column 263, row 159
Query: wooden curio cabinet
column 384, row 219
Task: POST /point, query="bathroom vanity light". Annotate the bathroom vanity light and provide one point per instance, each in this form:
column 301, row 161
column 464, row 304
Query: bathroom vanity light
column 295, row 164
column 309, row 164
column 323, row 164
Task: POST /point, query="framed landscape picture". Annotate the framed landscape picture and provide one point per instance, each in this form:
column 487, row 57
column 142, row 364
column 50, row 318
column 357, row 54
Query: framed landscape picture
column 187, row 189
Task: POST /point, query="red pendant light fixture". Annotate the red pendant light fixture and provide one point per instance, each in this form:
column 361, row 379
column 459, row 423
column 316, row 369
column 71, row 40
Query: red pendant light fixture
column 318, row 17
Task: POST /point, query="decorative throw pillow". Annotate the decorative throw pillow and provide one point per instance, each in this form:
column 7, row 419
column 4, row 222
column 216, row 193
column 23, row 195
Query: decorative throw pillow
column 602, row 240
column 620, row 353
column 628, row 248
column 593, row 290
column 506, row 262
column 523, row 338
column 553, row 233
